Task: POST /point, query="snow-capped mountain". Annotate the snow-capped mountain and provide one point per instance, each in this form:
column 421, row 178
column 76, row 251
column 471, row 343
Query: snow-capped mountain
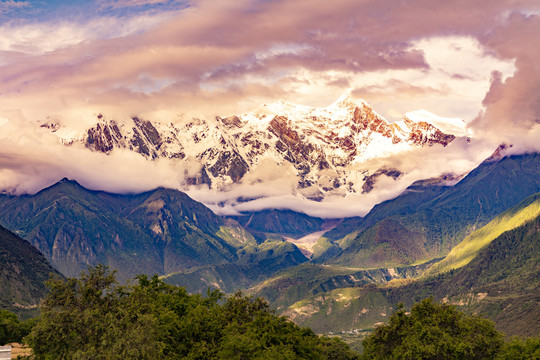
column 323, row 147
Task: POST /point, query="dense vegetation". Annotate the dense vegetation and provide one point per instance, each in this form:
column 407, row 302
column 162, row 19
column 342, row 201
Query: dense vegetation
column 520, row 349
column 95, row 318
column 12, row 329
column 433, row 331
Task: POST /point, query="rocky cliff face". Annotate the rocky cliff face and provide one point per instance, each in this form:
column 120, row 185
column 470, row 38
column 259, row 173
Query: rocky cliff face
column 323, row 147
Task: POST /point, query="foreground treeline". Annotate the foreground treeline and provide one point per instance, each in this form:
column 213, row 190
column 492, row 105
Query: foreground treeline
column 433, row 331
column 94, row 317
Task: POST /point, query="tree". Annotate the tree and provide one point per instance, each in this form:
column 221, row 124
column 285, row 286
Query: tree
column 88, row 318
column 95, row 318
column 520, row 349
column 433, row 331
column 12, row 329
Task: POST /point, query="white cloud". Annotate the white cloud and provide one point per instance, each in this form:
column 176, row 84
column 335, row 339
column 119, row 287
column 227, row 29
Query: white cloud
column 454, row 86
column 218, row 58
column 31, row 158
column 42, row 37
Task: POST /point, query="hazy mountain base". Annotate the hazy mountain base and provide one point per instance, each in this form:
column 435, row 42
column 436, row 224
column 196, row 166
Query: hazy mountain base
column 269, row 223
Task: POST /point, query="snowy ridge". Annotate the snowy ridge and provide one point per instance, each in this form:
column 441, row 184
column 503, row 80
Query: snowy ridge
column 323, row 147
column 454, row 126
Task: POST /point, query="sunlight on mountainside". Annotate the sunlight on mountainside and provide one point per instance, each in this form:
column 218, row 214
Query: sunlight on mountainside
column 465, row 251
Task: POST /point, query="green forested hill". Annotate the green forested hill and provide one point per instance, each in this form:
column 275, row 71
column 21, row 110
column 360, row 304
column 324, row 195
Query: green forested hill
column 501, row 283
column 93, row 317
column 153, row 232
column 263, row 224
column 255, row 263
column 157, row 232
column 23, row 271
column 467, row 249
column 427, row 222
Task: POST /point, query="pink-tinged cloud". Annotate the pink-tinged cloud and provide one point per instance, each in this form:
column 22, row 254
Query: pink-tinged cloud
column 513, row 105
column 222, row 41
column 219, row 57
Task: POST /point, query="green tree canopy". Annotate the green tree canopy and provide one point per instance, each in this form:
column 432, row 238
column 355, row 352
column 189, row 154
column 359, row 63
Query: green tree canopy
column 93, row 317
column 433, row 331
column 520, row 349
column 12, row 329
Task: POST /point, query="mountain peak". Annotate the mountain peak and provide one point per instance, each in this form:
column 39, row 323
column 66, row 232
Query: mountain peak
column 283, row 107
column 499, row 153
column 68, row 181
column 323, row 147
column 348, row 101
column 455, row 126
column 63, row 185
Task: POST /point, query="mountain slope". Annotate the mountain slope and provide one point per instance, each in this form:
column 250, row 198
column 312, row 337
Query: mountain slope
column 255, row 263
column 405, row 203
column 308, row 280
column 420, row 225
column 279, row 222
column 466, row 250
column 23, row 271
column 500, row 283
column 160, row 231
